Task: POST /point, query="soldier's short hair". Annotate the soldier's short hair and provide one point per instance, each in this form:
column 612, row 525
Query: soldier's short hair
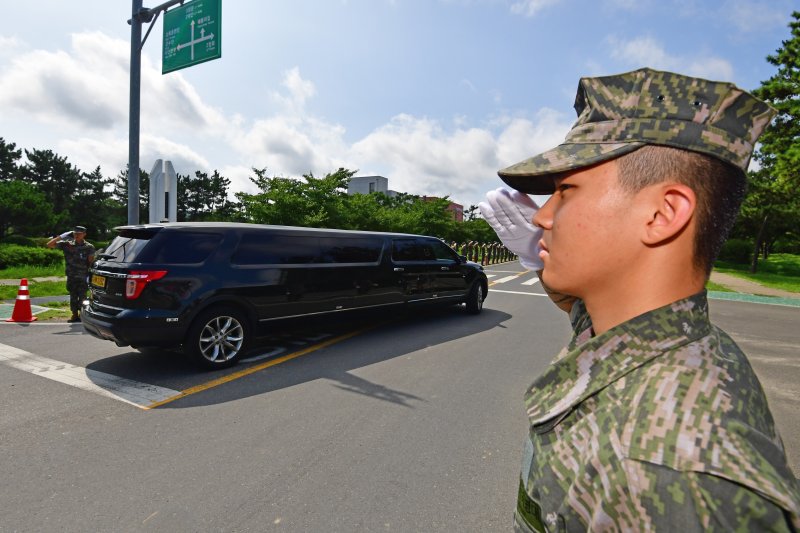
column 719, row 187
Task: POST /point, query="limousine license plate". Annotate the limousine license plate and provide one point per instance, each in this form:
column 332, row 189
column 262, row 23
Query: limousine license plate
column 98, row 281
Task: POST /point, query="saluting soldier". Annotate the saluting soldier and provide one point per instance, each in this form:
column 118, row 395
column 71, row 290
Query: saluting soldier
column 652, row 417
column 78, row 257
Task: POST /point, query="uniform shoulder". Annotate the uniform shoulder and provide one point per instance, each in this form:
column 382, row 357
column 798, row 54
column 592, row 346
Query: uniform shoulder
column 708, row 502
column 700, row 408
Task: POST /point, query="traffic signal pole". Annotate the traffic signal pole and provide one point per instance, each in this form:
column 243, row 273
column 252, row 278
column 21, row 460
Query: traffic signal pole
column 139, row 15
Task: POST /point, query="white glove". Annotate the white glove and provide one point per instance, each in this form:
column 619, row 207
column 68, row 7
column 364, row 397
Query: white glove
column 510, row 215
column 66, row 235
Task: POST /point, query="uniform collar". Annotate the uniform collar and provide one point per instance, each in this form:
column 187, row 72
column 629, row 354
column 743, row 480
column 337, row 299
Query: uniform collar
column 584, row 368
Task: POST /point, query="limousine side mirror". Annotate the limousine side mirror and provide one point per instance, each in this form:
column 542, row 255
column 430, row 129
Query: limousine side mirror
column 463, row 258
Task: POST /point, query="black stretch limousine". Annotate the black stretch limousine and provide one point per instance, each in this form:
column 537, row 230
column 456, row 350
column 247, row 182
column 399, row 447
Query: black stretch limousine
column 204, row 287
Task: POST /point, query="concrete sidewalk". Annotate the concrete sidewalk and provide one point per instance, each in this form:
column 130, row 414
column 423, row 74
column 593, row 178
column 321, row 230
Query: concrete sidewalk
column 16, row 281
column 741, row 285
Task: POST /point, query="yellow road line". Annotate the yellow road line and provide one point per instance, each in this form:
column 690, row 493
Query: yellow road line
column 257, row 368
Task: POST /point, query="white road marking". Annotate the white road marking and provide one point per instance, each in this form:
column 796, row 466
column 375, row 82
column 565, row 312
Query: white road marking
column 532, row 281
column 490, row 275
column 125, row 390
column 259, row 357
column 517, row 292
column 506, row 271
column 507, row 278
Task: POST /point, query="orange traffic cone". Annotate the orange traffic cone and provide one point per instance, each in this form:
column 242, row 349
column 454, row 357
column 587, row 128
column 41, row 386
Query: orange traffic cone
column 22, row 307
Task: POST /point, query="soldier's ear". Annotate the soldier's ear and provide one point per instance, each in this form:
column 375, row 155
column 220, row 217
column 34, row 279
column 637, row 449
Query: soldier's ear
column 671, row 207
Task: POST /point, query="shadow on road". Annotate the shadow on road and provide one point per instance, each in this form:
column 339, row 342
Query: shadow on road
column 385, row 336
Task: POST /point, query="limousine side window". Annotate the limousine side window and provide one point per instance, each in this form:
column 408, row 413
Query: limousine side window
column 266, row 249
column 442, row 252
column 410, row 250
column 350, row 249
column 421, row 250
column 270, row 249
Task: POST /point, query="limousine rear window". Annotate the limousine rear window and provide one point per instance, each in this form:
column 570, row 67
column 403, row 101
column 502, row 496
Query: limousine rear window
column 180, row 248
column 126, row 246
column 261, row 249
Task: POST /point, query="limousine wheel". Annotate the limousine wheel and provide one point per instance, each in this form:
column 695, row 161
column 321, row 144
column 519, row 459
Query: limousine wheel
column 475, row 298
column 218, row 337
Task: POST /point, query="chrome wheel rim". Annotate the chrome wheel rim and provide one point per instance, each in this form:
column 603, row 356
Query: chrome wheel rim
column 221, row 339
column 479, row 297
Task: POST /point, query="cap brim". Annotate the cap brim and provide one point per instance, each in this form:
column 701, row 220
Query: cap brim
column 535, row 175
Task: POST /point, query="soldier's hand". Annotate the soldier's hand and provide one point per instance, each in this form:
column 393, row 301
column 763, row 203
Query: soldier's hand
column 66, row 235
column 510, row 215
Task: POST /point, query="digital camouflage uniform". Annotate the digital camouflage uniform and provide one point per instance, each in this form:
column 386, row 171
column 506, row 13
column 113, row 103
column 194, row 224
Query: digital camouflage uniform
column 76, row 259
column 657, row 424
column 660, row 422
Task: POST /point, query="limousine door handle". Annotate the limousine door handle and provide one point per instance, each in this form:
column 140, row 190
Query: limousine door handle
column 399, row 269
column 445, row 268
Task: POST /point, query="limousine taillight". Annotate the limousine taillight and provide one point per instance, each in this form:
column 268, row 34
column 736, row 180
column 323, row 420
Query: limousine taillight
column 137, row 280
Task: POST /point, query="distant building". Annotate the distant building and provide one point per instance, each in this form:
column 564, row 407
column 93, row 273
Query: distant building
column 369, row 184
column 456, row 209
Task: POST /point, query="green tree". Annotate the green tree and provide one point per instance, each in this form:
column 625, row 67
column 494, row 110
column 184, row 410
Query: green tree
column 23, row 209
column 471, row 213
column 310, row 202
column 205, row 197
column 119, row 196
column 57, row 179
column 92, row 205
column 9, row 161
column 771, row 208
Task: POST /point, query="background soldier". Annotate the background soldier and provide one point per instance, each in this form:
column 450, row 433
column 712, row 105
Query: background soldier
column 651, row 418
column 78, row 257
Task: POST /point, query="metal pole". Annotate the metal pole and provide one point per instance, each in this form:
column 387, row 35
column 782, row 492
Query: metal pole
column 133, row 130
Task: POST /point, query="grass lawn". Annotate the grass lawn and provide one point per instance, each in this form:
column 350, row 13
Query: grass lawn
column 26, row 271
column 711, row 286
column 58, row 311
column 35, row 288
column 780, row 271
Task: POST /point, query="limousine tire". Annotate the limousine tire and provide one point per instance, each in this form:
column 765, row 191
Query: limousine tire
column 218, row 337
column 474, row 299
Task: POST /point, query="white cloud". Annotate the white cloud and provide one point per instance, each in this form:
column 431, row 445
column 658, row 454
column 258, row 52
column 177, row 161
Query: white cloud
column 81, row 87
column 88, row 87
column 647, row 52
column 9, row 46
column 421, row 157
column 78, row 97
column 750, row 16
column 628, row 5
column 529, row 8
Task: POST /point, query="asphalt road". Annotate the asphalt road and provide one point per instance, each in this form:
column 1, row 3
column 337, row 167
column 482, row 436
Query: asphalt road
column 414, row 423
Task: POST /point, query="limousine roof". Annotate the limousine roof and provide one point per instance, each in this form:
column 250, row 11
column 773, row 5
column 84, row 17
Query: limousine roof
column 187, row 226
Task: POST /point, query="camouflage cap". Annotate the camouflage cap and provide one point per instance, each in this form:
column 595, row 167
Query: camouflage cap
column 621, row 113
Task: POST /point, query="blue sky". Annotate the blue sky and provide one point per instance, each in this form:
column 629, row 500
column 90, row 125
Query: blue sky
column 436, row 95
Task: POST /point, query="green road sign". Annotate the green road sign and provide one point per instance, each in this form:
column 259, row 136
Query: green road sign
column 192, row 34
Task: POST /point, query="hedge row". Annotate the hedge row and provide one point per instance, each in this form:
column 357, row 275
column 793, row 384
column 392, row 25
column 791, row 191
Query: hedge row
column 15, row 254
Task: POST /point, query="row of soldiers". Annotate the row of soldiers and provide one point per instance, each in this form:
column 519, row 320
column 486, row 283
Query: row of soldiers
column 483, row 253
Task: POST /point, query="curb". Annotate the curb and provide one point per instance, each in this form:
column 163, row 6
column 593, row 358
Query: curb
column 752, row 298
